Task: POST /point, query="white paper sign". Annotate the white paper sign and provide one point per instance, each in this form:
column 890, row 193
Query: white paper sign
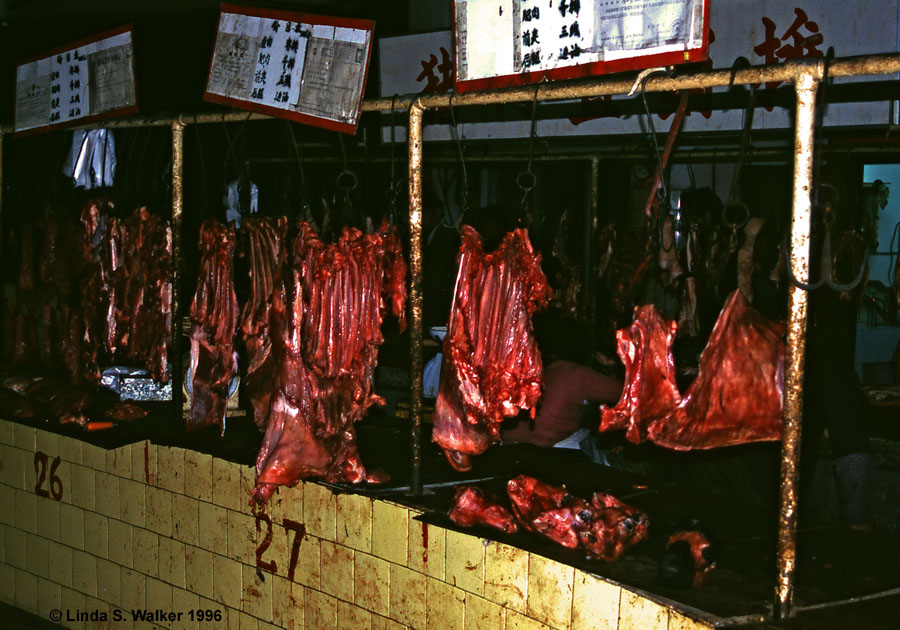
column 76, row 82
column 499, row 38
column 291, row 65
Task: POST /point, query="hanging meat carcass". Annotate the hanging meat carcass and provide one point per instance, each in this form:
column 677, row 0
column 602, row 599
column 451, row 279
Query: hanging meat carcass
column 650, row 389
column 126, row 293
column 326, row 324
column 144, row 299
column 736, row 397
column 97, row 308
column 214, row 313
column 492, row 365
column 568, row 279
column 268, row 255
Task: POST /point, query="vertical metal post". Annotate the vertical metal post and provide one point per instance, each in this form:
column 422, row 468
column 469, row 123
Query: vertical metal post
column 806, row 85
column 415, row 292
column 177, row 263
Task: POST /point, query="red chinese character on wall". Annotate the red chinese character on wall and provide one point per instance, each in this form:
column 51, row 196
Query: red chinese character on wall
column 445, row 68
column 792, row 44
column 594, row 108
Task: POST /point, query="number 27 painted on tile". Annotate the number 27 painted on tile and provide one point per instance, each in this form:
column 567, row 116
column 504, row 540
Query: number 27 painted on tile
column 270, row 565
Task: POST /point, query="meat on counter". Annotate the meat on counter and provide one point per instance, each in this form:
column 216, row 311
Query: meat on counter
column 604, row 527
column 473, row 506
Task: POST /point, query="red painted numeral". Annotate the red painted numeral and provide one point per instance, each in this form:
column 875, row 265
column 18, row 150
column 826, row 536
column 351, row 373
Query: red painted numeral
column 56, row 487
column 269, row 566
column 299, row 534
column 40, row 469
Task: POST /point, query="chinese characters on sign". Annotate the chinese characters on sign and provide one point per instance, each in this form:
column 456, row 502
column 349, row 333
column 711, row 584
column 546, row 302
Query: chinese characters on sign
column 510, row 40
column 549, row 37
column 93, row 78
column 306, row 68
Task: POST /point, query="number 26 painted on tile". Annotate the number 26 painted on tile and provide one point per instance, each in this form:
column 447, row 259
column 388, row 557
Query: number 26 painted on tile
column 270, row 565
column 40, row 469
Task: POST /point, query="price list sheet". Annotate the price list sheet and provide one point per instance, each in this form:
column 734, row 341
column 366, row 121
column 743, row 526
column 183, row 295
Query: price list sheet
column 303, row 67
column 77, row 83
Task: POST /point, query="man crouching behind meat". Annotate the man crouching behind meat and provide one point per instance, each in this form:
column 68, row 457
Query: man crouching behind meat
column 569, row 385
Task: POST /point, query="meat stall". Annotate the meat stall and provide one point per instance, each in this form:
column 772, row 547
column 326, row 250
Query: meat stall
column 407, row 561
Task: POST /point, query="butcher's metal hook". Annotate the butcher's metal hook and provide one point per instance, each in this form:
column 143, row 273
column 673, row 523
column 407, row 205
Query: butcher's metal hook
column 395, row 185
column 454, row 131
column 304, row 191
column 640, row 80
column 526, row 180
column 827, row 202
column 735, row 213
column 827, row 273
column 661, row 190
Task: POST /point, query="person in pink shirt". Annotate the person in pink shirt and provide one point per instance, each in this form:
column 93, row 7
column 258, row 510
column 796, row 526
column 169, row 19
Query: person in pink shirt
column 569, row 387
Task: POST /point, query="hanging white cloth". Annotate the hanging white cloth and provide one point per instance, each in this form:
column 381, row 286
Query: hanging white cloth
column 92, row 159
column 232, row 202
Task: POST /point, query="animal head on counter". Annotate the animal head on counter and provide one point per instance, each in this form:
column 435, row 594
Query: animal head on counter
column 604, row 527
column 613, row 528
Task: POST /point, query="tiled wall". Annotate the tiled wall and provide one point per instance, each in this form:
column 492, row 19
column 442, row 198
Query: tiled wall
column 153, row 527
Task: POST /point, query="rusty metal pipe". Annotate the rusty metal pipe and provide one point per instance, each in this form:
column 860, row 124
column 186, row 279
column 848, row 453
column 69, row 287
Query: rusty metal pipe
column 416, row 332
column 177, row 262
column 848, row 66
column 864, row 65
column 806, row 86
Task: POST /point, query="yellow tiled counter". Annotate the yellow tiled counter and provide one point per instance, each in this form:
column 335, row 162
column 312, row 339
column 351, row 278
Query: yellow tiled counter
column 147, row 527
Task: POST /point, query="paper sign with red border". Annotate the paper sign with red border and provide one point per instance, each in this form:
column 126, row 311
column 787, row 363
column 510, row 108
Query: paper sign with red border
column 78, row 83
column 500, row 43
column 307, row 68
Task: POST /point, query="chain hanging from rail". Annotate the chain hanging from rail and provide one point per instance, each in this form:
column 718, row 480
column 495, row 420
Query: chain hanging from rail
column 306, row 210
column 447, row 219
column 396, row 185
column 736, row 213
column 526, row 180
